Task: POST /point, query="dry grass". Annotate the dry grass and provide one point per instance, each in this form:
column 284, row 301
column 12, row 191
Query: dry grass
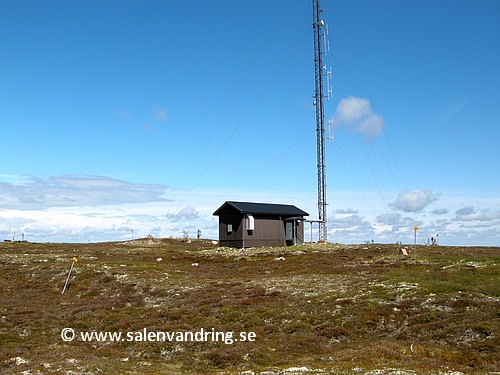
column 322, row 309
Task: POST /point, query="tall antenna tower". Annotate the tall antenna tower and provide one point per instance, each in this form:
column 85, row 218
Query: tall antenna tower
column 318, row 24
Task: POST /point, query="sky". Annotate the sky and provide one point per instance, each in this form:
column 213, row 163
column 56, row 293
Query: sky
column 123, row 118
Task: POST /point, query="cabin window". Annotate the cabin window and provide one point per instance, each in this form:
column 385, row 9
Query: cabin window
column 230, row 228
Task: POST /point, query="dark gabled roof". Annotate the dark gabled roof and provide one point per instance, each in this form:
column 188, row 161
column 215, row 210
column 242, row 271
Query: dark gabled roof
column 263, row 208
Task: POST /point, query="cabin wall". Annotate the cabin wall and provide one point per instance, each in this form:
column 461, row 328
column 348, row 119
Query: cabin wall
column 231, row 230
column 268, row 231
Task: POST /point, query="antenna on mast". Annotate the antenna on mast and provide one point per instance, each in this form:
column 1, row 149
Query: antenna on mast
column 328, row 84
column 331, row 134
column 318, row 25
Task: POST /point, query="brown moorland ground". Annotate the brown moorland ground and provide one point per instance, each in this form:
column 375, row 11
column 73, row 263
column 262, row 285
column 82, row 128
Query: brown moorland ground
column 308, row 309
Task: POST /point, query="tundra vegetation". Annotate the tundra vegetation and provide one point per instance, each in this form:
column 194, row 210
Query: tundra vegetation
column 314, row 308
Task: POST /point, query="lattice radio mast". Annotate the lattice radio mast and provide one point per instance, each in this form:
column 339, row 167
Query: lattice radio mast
column 318, row 24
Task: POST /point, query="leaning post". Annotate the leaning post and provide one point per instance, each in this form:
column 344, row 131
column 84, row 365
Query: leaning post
column 73, row 261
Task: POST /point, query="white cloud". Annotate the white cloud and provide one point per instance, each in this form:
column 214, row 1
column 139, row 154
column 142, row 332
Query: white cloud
column 414, row 201
column 187, row 212
column 76, row 190
column 356, row 114
column 472, row 218
column 440, row 211
column 396, row 222
column 347, row 225
column 352, row 109
column 371, row 127
column 345, row 219
column 464, row 212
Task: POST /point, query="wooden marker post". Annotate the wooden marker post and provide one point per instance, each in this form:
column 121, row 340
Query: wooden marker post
column 73, row 261
column 415, row 242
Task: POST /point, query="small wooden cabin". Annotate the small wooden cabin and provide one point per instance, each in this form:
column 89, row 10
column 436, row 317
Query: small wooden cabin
column 248, row 224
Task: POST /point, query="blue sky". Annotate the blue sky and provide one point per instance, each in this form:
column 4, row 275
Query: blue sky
column 124, row 118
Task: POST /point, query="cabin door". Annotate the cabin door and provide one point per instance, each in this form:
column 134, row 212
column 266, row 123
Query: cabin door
column 288, row 230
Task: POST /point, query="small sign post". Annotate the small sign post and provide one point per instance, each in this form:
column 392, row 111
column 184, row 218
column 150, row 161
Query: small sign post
column 415, row 242
column 73, row 261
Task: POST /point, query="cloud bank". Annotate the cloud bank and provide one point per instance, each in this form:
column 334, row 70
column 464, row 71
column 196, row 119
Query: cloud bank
column 80, row 208
column 472, row 218
column 76, row 190
column 453, row 222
